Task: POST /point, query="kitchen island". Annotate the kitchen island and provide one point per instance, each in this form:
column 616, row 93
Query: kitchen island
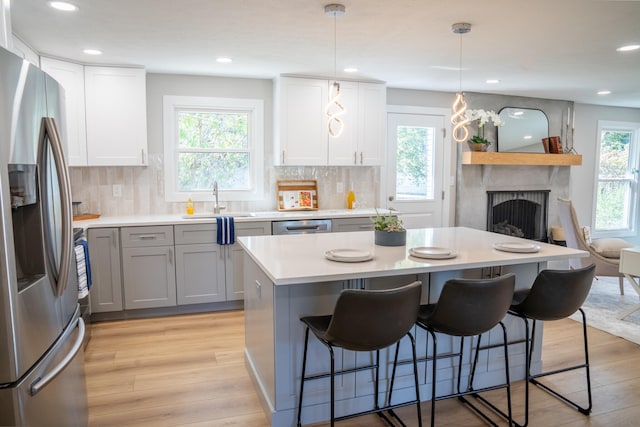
column 287, row 277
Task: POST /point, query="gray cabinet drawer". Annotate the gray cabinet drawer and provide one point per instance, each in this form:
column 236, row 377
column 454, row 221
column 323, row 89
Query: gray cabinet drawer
column 352, row 224
column 262, row 228
column 195, row 233
column 140, row 237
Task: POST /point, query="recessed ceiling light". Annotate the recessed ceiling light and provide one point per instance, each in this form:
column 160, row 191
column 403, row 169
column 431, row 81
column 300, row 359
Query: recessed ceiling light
column 604, row 92
column 493, row 81
column 92, row 52
column 223, row 60
column 518, row 113
column 628, row 48
column 63, row 5
column 528, row 137
column 351, row 70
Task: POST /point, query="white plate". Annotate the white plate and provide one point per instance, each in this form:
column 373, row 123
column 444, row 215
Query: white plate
column 516, row 247
column 431, row 252
column 348, row 255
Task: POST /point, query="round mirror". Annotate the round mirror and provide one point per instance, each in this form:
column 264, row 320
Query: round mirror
column 522, row 131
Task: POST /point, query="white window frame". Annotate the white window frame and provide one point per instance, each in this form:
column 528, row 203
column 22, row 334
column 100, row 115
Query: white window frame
column 634, row 152
column 172, row 105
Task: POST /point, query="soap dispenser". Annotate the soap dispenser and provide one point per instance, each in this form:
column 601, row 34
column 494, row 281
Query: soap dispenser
column 351, row 199
column 189, row 205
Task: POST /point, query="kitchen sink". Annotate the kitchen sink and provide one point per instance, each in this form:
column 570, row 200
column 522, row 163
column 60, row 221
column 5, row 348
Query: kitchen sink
column 212, row 215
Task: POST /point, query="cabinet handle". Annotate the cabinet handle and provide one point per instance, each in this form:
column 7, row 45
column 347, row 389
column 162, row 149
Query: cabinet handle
column 170, row 256
column 361, row 157
column 142, row 155
column 113, row 238
column 355, row 157
column 147, row 237
column 258, row 289
column 283, row 157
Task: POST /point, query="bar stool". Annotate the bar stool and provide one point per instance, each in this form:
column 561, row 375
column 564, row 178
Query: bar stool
column 554, row 295
column 468, row 308
column 365, row 320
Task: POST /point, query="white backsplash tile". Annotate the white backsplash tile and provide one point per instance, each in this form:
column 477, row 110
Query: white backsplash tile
column 143, row 188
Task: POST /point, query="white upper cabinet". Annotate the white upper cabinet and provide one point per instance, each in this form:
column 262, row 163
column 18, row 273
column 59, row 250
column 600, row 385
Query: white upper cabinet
column 71, row 77
column 116, row 111
column 24, row 51
column 106, row 113
column 362, row 141
column 301, row 134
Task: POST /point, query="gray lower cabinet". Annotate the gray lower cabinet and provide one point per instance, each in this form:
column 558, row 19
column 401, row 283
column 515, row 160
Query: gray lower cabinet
column 351, row 224
column 234, row 258
column 148, row 267
column 200, row 264
column 106, row 290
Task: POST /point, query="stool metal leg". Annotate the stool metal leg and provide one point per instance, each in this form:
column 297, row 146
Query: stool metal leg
column 304, row 366
column 583, row 410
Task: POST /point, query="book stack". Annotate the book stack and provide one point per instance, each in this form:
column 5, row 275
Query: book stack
column 552, row 145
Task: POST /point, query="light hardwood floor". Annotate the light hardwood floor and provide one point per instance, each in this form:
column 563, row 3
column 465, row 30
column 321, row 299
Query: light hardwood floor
column 189, row 371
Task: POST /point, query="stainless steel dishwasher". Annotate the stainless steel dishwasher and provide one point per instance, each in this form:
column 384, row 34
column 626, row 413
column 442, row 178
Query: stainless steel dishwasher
column 301, row 226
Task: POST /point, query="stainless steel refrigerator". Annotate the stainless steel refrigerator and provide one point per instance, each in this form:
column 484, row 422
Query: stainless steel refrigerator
column 42, row 379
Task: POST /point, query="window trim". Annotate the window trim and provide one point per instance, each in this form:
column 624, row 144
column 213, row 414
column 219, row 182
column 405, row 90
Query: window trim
column 253, row 107
column 634, row 151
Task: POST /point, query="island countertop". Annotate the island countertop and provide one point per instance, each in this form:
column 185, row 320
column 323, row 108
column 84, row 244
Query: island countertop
column 294, row 259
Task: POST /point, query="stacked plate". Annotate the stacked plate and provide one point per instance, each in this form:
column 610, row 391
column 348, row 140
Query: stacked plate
column 348, row 255
column 516, row 247
column 432, row 252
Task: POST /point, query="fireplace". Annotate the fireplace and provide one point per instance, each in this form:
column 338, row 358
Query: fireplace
column 519, row 213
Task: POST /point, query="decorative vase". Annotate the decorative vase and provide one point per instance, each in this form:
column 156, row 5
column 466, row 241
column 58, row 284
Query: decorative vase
column 390, row 238
column 477, row 147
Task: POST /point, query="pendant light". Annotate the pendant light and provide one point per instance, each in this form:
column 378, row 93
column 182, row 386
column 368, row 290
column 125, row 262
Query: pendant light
column 458, row 118
column 334, row 108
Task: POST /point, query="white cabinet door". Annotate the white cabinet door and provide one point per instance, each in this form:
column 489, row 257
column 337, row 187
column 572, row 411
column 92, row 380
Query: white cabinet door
column 301, row 132
column 362, row 141
column 116, row 116
column 71, row 78
column 372, row 106
column 343, row 150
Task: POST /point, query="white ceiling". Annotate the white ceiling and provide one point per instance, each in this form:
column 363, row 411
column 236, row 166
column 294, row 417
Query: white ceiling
column 557, row 49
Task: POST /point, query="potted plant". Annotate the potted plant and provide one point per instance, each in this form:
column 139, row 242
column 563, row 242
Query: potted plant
column 478, row 142
column 388, row 230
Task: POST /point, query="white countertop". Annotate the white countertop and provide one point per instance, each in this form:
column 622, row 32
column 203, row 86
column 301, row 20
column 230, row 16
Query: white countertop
column 292, row 259
column 201, row 218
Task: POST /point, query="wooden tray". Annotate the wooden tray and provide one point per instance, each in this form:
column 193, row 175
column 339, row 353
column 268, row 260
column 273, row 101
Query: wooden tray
column 297, row 195
column 86, row 216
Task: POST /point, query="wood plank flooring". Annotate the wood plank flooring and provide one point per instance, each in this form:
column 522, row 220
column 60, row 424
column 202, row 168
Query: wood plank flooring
column 189, row 371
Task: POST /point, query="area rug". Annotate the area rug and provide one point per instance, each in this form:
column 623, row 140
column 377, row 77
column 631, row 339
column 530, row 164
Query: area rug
column 604, row 304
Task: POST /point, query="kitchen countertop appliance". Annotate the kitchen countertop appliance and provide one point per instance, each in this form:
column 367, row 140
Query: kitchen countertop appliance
column 42, row 379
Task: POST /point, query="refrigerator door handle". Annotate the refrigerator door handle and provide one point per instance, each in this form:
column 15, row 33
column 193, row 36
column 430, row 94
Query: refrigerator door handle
column 42, row 382
column 50, row 131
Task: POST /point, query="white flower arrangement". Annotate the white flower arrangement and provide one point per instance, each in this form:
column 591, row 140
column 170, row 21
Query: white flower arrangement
column 483, row 118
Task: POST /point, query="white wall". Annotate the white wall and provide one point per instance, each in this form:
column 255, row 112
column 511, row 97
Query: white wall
column 586, row 142
column 5, row 24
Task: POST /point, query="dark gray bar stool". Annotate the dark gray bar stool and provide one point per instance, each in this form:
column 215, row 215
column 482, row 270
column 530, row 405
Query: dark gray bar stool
column 468, row 308
column 366, row 320
column 554, row 295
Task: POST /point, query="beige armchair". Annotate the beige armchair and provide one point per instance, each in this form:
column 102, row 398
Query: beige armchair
column 575, row 239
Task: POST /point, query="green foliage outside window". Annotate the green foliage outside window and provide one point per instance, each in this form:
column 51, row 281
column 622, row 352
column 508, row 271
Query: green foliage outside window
column 213, row 146
column 414, row 163
column 612, row 204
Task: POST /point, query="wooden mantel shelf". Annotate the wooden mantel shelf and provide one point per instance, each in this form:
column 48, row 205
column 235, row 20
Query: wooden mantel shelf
column 526, row 159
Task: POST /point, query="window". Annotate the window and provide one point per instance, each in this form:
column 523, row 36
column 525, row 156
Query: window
column 213, row 139
column 617, row 179
column 414, row 163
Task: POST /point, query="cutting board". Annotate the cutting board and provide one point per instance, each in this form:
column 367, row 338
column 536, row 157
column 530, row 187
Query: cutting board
column 86, row 216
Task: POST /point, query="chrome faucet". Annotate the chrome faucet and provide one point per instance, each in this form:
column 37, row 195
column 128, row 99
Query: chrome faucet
column 216, row 207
